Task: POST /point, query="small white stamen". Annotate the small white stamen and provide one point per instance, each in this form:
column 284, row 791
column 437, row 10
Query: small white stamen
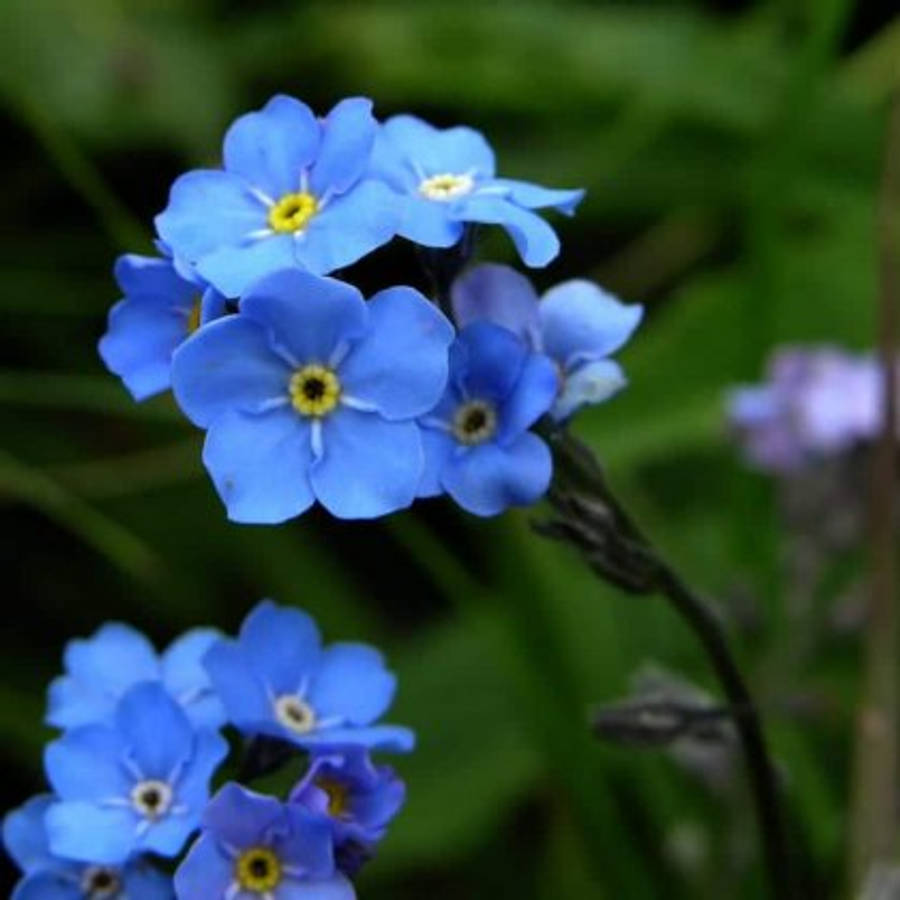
column 262, row 196
column 152, row 799
column 356, row 403
column 447, row 186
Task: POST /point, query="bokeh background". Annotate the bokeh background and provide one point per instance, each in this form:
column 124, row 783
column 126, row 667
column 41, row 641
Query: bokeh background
column 731, row 152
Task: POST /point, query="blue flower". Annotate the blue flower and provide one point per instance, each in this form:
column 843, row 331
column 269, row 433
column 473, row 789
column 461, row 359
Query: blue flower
column 477, row 444
column 47, row 877
column 138, row 785
column 255, row 846
column 101, row 668
column 358, row 798
column 310, row 393
column 291, row 194
column 577, row 324
column 160, row 309
column 277, row 679
column 446, row 179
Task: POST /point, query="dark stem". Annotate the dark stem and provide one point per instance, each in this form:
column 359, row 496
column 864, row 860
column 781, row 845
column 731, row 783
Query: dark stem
column 588, row 516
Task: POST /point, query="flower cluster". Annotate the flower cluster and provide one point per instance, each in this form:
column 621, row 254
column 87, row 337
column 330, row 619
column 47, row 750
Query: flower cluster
column 308, row 391
column 132, row 770
column 817, row 403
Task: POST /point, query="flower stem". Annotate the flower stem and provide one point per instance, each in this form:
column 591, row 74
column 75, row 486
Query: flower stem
column 590, row 518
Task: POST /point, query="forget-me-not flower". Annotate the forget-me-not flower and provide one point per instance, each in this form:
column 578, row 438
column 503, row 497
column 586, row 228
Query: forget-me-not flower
column 577, row 324
column 358, row 798
column 162, row 306
column 310, row 393
column 477, row 444
column 101, row 668
column 446, row 178
column 48, row 877
column 291, row 193
column 137, row 785
column 256, row 846
column 276, row 679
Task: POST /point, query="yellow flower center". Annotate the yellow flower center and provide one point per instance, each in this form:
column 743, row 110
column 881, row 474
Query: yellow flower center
column 292, row 212
column 475, row 422
column 258, row 869
column 295, row 714
column 337, row 796
column 315, row 390
column 446, row 186
column 193, row 319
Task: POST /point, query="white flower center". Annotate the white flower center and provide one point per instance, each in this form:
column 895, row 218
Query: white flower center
column 475, row 422
column 446, row 186
column 151, row 798
column 295, row 714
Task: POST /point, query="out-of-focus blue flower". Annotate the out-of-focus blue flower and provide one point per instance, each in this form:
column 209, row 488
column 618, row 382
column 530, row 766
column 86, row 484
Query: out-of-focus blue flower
column 577, row 324
column 310, row 393
column 255, row 846
column 477, row 444
column 817, row 402
column 138, row 785
column 161, row 307
column 358, row 798
column 447, row 178
column 101, row 668
column 47, row 877
column 291, row 194
column 276, row 679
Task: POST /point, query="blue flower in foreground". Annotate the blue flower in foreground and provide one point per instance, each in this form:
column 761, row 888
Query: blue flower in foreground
column 477, row 444
column 446, row 179
column 46, row 877
column 358, row 798
column 101, row 668
column 255, row 846
column 310, row 393
column 291, row 194
column 277, row 679
column 160, row 309
column 577, row 324
column 137, row 785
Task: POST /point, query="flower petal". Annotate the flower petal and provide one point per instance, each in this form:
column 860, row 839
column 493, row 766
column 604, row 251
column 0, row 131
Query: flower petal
column 489, row 478
column 400, row 366
column 104, row 835
column 85, row 764
column 348, row 133
column 187, row 680
column 428, row 222
column 259, row 464
column 25, row 837
column 532, row 396
column 334, row 888
column 353, row 684
column 439, row 448
column 234, row 268
column 271, row 148
column 307, row 315
column 307, row 844
column 243, row 695
column 144, row 882
column 581, row 322
column 434, row 151
column 591, row 382
column 500, row 295
column 242, row 818
column 369, row 467
column 151, row 276
column 209, row 209
column 350, row 226
column 227, row 365
column 490, row 359
column 115, row 656
column 389, row 738
column 210, row 748
column 535, row 240
column 533, row 196
column 206, row 871
column 47, row 886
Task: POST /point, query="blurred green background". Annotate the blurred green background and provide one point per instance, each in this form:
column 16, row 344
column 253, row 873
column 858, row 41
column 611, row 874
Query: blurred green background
column 731, row 151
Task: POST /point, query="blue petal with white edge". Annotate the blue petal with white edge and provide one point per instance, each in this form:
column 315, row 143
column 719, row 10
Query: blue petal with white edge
column 400, row 366
column 369, row 467
column 259, row 464
column 352, row 684
column 592, row 382
column 498, row 294
column 580, row 321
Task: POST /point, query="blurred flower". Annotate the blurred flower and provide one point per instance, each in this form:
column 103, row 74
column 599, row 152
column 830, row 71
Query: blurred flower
column 255, row 846
column 137, row 785
column 162, row 306
column 358, row 798
column 291, row 194
column 477, row 444
column 310, row 393
column 101, row 668
column 446, row 179
column 47, row 877
column 577, row 324
column 276, row 679
column 817, row 402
